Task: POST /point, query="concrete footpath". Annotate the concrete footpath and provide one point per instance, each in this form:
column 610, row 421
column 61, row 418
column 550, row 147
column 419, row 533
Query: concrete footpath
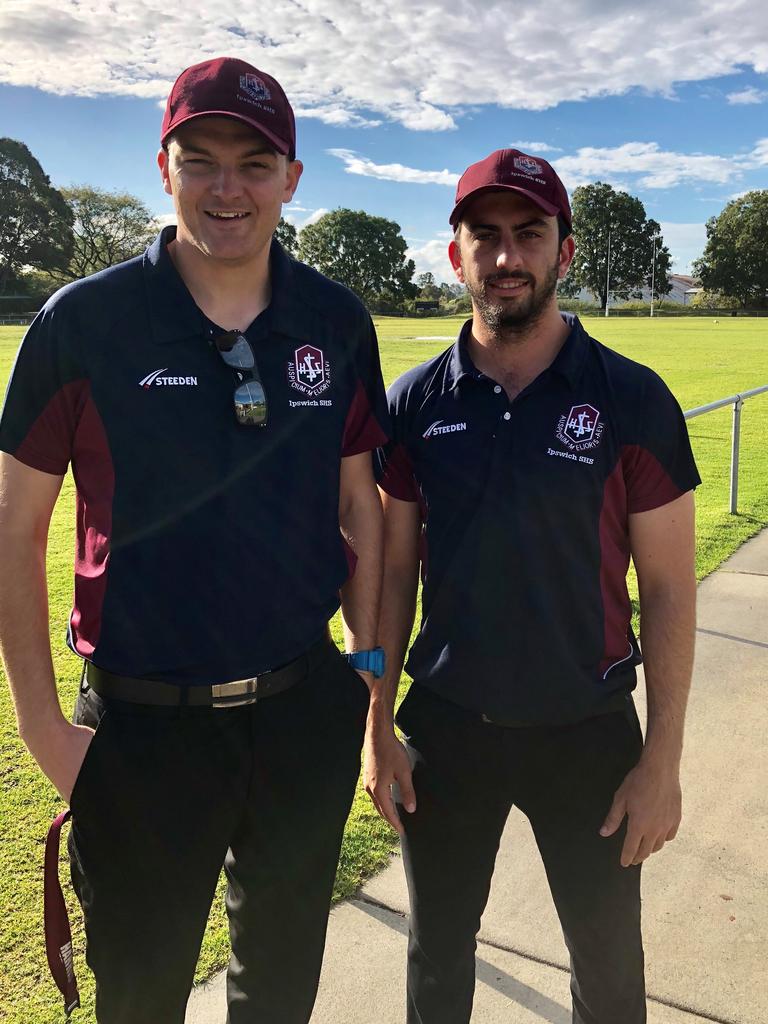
column 705, row 896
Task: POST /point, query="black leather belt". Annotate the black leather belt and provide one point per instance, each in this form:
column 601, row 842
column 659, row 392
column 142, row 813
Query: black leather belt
column 217, row 695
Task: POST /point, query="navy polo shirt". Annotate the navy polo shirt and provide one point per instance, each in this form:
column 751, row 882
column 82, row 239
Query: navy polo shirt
column 525, row 505
column 206, row 551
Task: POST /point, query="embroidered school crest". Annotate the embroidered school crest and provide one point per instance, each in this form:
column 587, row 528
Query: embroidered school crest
column 310, row 371
column 528, row 165
column 581, row 429
column 254, row 87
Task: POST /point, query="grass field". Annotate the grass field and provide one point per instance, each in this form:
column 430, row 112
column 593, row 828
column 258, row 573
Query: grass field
column 701, row 360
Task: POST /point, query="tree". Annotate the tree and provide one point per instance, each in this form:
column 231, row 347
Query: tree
column 735, row 259
column 109, row 227
column 286, row 235
column 427, row 288
column 714, row 300
column 452, row 291
column 35, row 221
column 365, row 253
column 597, row 211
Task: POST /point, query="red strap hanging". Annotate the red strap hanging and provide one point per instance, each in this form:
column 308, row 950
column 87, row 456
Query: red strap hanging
column 58, row 935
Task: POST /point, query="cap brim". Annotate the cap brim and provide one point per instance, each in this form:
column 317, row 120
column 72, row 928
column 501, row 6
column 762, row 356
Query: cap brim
column 280, row 144
column 549, row 208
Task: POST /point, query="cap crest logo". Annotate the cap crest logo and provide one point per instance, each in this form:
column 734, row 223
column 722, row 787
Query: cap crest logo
column 255, row 87
column 528, row 165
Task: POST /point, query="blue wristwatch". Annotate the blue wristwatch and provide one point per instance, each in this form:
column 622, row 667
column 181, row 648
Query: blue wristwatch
column 368, row 661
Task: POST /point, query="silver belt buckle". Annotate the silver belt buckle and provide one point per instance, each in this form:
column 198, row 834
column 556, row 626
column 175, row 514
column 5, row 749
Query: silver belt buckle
column 232, row 695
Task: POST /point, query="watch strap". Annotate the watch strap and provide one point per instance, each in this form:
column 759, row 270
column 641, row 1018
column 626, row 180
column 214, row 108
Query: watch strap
column 368, row 661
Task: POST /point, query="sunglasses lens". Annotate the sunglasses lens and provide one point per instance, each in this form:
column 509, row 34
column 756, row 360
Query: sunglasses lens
column 251, row 404
column 239, row 355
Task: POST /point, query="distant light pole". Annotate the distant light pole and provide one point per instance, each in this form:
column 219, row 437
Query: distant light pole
column 653, row 270
column 608, row 274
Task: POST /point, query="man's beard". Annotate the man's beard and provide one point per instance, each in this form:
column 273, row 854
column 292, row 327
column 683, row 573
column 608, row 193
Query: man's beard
column 497, row 315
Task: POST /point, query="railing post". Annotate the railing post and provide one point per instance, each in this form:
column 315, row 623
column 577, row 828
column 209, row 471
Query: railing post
column 735, row 438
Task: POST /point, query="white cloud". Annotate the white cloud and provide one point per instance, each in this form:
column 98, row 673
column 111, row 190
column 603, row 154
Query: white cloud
column 433, row 257
column 652, row 166
column 535, row 147
column 392, row 172
column 301, row 222
column 336, row 115
column 632, row 166
column 759, row 155
column 351, row 62
column 746, row 96
column 314, row 217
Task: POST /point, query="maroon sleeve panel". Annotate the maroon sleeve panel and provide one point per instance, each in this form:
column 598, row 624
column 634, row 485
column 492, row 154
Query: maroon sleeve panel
column 648, row 483
column 614, row 562
column 95, row 479
column 396, row 475
column 49, row 441
column 362, row 431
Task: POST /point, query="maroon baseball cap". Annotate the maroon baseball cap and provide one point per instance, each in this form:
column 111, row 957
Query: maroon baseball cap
column 228, row 87
column 518, row 172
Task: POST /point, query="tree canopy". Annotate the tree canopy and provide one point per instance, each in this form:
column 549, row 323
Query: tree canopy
column 597, row 211
column 286, row 235
column 735, row 259
column 365, row 253
column 109, row 227
column 35, row 220
column 428, row 288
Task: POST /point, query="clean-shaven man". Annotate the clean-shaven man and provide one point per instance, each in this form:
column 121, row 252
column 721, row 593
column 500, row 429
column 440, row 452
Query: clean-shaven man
column 218, row 403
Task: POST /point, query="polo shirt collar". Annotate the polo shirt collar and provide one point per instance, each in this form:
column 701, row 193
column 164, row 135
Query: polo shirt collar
column 174, row 314
column 287, row 307
column 460, row 364
column 569, row 361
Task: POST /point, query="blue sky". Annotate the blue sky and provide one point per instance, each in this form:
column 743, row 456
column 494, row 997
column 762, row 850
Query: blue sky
column 395, row 98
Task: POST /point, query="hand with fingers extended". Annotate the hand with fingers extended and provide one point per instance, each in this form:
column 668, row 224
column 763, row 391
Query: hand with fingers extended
column 386, row 762
column 651, row 799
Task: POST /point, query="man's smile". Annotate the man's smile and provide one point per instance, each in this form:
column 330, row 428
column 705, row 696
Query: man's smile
column 228, row 214
column 510, row 286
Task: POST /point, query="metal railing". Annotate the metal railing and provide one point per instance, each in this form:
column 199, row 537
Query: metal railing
column 737, row 401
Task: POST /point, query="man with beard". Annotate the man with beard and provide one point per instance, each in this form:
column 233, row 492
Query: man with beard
column 528, row 463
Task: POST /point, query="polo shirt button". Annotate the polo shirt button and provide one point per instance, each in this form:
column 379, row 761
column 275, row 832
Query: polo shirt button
column 507, row 415
column 497, row 390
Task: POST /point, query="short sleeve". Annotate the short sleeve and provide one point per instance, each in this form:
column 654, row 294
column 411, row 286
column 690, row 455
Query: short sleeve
column 45, row 396
column 367, row 423
column 660, row 467
column 393, row 464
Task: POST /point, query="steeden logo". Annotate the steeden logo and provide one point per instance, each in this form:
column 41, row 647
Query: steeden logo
column 156, row 379
column 439, row 427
